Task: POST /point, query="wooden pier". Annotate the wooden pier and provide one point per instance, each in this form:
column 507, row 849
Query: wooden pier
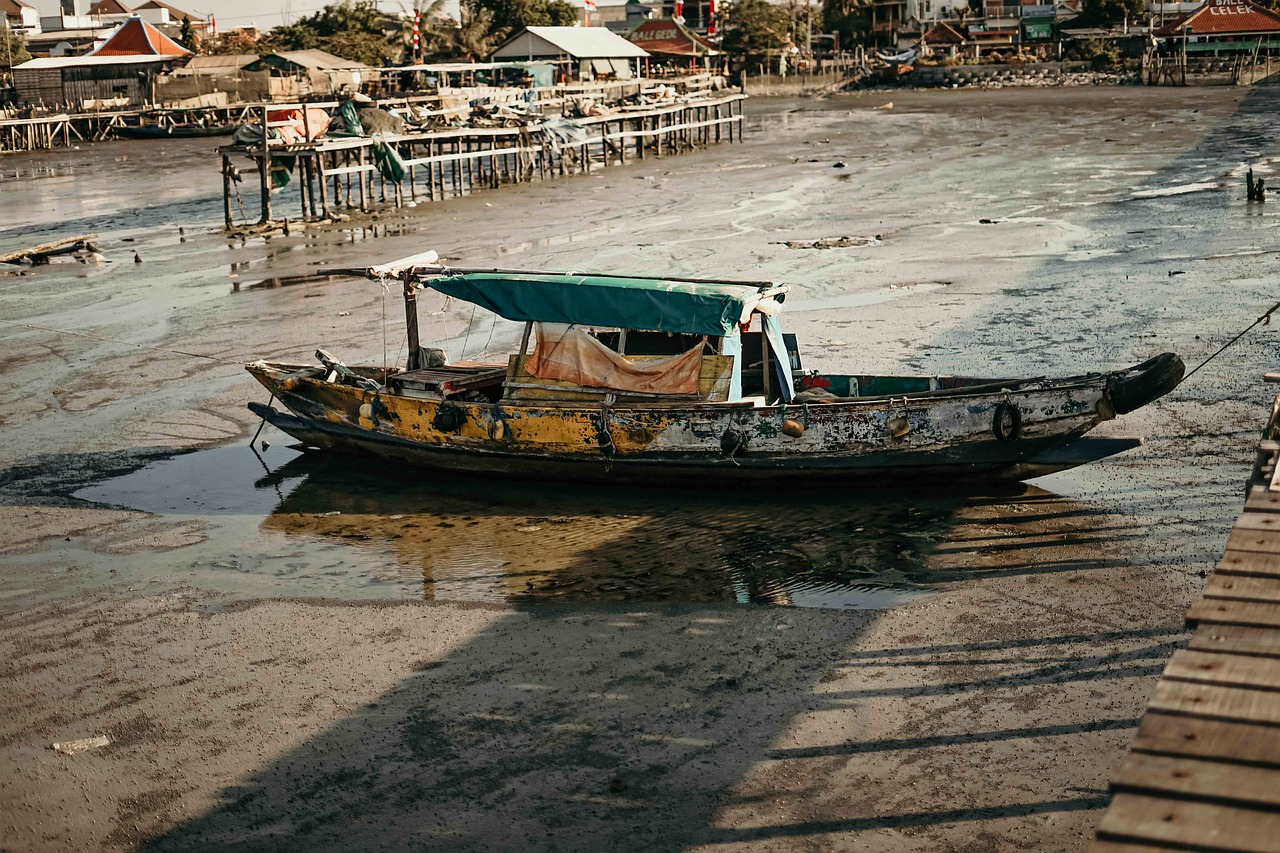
column 332, row 175
column 1203, row 772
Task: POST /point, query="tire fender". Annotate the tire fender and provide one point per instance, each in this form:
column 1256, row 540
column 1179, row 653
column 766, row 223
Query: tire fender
column 1006, row 422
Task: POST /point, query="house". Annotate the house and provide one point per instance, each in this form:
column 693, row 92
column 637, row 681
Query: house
column 296, row 73
column 1222, row 26
column 581, row 52
column 20, row 16
column 668, row 41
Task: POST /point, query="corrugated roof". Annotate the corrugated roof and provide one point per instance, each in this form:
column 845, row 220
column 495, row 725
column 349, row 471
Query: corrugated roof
column 136, row 37
column 1224, row 16
column 318, row 59
column 226, row 63
column 578, row 42
column 47, row 63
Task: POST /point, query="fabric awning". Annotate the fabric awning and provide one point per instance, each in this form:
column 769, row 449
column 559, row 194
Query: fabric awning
column 652, row 304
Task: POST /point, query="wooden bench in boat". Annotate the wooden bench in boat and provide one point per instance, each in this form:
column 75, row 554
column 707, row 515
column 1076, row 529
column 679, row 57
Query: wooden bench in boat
column 447, row 381
column 713, row 383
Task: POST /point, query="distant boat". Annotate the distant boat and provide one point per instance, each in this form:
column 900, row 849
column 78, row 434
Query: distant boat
column 685, row 383
column 174, row 131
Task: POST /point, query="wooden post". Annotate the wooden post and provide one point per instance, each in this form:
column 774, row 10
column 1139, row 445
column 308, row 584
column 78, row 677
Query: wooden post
column 764, row 359
column 364, row 196
column 264, row 166
column 324, row 195
column 226, row 190
column 411, row 319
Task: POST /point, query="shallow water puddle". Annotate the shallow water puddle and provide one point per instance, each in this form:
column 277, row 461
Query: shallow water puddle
column 312, row 524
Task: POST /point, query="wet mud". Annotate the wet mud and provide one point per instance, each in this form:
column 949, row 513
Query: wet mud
column 327, row 654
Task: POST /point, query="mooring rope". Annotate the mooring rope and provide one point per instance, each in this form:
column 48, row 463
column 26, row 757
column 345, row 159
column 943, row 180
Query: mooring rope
column 118, row 341
column 1264, row 319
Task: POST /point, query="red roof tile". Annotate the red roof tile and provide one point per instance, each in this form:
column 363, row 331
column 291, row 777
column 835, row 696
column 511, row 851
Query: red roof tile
column 135, row 37
column 1225, row 16
column 943, row 33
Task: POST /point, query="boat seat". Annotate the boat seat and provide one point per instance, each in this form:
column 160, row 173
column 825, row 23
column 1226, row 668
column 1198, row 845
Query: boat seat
column 446, row 381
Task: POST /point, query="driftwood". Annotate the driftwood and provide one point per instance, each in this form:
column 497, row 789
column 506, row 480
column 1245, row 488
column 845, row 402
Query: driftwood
column 41, row 254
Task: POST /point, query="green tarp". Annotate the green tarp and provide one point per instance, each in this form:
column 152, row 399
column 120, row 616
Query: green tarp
column 628, row 303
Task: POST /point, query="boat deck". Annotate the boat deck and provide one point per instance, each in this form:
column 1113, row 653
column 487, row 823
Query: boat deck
column 1203, row 772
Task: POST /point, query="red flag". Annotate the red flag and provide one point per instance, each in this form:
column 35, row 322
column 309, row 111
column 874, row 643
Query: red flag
column 711, row 18
column 213, row 27
column 679, row 10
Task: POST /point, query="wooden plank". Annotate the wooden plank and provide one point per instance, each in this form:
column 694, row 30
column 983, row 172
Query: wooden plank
column 1262, row 673
column 47, row 248
column 1246, row 539
column 1241, row 743
column 1258, row 521
column 1243, row 588
column 1219, row 611
column 1261, row 499
column 1139, row 817
column 1249, row 563
column 1236, row 640
column 1216, row 702
column 1199, row 779
column 1130, row 847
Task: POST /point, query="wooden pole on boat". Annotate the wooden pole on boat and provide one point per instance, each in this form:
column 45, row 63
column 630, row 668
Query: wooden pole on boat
column 524, row 339
column 411, row 318
column 764, row 358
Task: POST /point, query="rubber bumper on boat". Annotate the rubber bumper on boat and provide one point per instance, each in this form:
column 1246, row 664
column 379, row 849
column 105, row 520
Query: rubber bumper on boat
column 1133, row 388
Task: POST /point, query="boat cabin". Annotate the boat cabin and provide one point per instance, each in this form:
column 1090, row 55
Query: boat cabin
column 612, row 338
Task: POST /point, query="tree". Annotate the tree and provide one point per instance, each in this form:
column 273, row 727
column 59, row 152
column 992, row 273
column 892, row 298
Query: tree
column 187, row 36
column 472, row 37
column 13, row 49
column 1106, row 13
column 234, row 42
column 352, row 29
column 850, row 19
column 753, row 29
column 515, row 15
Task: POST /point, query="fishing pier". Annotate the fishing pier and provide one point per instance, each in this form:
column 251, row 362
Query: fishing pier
column 1203, row 771
column 329, row 175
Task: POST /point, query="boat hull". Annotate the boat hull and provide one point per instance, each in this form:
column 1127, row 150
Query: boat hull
column 1029, row 429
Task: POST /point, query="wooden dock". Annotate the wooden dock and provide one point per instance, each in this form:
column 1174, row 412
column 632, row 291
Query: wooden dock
column 1203, row 772
column 335, row 174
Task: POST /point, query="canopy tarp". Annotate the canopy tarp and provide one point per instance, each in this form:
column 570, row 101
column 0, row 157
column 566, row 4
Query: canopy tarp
column 652, row 304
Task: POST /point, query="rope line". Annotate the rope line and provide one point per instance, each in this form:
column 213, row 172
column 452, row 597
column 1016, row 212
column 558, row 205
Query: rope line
column 1265, row 318
column 118, row 341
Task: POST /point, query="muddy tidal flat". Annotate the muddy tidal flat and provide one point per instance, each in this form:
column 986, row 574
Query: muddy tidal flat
column 288, row 653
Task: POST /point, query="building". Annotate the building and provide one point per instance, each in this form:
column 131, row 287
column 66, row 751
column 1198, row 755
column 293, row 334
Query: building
column 1222, row 26
column 671, row 43
column 583, row 53
column 20, row 17
column 121, row 72
column 298, row 73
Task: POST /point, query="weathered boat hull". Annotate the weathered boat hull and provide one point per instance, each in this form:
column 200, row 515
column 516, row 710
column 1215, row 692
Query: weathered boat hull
column 981, row 462
column 1029, row 429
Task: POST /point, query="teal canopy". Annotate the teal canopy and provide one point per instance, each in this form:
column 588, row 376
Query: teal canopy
column 651, row 304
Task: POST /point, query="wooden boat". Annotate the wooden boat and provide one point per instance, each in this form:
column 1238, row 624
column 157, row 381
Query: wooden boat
column 174, row 131
column 684, row 381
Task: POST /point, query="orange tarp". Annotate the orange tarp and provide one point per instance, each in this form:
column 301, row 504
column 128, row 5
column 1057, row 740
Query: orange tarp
column 572, row 355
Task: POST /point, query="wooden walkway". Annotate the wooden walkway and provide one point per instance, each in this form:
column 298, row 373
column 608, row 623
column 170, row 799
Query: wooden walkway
column 1203, row 772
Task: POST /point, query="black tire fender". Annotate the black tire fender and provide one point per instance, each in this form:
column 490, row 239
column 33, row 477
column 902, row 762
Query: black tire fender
column 1010, row 412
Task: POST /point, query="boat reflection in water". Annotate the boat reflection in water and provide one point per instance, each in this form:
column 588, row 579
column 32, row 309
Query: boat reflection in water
column 481, row 540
